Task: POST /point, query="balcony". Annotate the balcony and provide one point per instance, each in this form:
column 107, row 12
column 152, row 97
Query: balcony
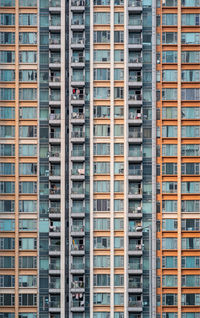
column 135, row 80
column 135, row 42
column 54, row 268
column 54, row 250
column 54, row 156
column 135, row 5
column 78, row 155
column 77, row 193
column 78, row 305
column 55, row 61
column 77, row 98
column 77, row 136
column 135, row 230
column 78, row 118
column 135, row 118
column 54, row 81
column 77, row 286
column 77, row 230
column 78, row 212
column 54, row 213
column 78, row 268
column 55, row 22
column 135, row 99
column 77, row 24
column 135, row 268
column 54, row 231
column 54, row 137
column 54, row 43
column 77, row 249
column 135, row 24
column 54, row 193
column 54, row 287
column 54, row 97
column 54, row 306
column 135, row 61
column 135, row 249
column 78, row 43
column 135, row 212
column 54, row 5
column 134, row 286
column 135, row 193
column 135, row 136
column 78, row 174
column 78, row 61
column 135, row 155
column 134, row 306
column 135, row 174
column 54, row 118
column 78, row 5
column 78, row 79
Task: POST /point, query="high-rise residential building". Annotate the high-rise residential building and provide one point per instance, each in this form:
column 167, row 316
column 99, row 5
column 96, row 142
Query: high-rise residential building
column 100, row 158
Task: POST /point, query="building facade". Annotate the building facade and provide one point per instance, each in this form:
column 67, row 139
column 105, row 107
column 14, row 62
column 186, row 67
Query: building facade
column 99, row 158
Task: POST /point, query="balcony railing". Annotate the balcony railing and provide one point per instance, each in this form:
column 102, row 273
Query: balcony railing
column 135, row 266
column 135, row 191
column 54, row 117
column 78, row 41
column 134, row 97
column 77, row 115
column 76, row 228
column 80, row 78
column 78, row 3
column 78, row 303
column 54, row 210
column 55, row 134
column 134, row 284
column 132, row 115
column 54, row 191
column 78, row 172
column 135, row 22
column 78, row 153
column 134, row 303
column 54, row 266
column 54, row 154
column 135, row 153
column 78, row 59
column 54, row 304
column 77, row 191
column 135, row 247
column 135, row 78
column 134, row 41
column 54, row 285
column 54, row 229
column 54, row 41
column 135, row 172
column 134, row 3
column 135, row 59
column 134, row 134
column 78, row 134
column 77, row 284
column 135, row 209
column 77, row 96
column 54, row 3
column 77, row 21
column 55, row 79
column 78, row 210
column 55, row 59
column 78, row 266
column 135, row 228
column 77, row 247
column 54, row 248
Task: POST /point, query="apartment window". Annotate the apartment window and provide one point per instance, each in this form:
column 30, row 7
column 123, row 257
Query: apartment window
column 118, row 186
column 190, row 76
column 101, row 130
column 169, row 37
column 169, row 281
column 101, row 314
column 7, row 225
column 169, row 131
column 101, row 111
column 191, row 315
column 27, row 187
column 28, row 93
column 119, row 224
column 169, row 206
column 190, row 299
column 101, row 280
column 28, row 131
column 28, row 19
column 169, row 76
column 28, row 57
column 169, row 19
column 7, row 187
column 102, row 205
column 27, row 225
column 7, row 281
column 190, row 112
column 101, row 55
column 169, row 56
column 101, row 167
column 28, row 3
column 102, row 261
column 102, row 74
column 28, row 76
column 118, row 92
column 169, row 113
column 190, row 57
column 101, row 149
column 169, row 225
column 118, row 2
column 7, row 37
column 7, row 243
column 27, row 206
column 7, row 261
column 101, row 299
column 190, row 38
column 118, row 205
column 101, row 18
column 27, row 281
column 169, row 299
column 169, row 261
column 118, row 55
column 7, row 94
column 27, row 299
column 7, row 113
column 101, row 3
column 119, row 36
column 28, row 150
column 190, row 93
column 118, row 261
column 118, row 18
column 27, row 244
column 28, row 113
column 190, row 168
column 169, row 243
column 7, row 57
column 169, row 168
column 190, row 243
column 190, row 261
column 7, row 299
column 190, row 225
column 101, row 36
column 7, row 3
column 7, row 168
column 7, row 206
column 101, row 242
column 27, row 262
column 118, row 74
column 169, row 187
column 102, row 186
column 101, row 224
column 118, row 242
column 190, row 187
column 169, row 3
column 27, row 38
column 190, row 205
column 118, row 149
column 101, row 92
column 190, row 150
column 169, row 94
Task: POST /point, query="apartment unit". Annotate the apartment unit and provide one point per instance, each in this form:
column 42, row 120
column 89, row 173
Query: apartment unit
column 99, row 158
